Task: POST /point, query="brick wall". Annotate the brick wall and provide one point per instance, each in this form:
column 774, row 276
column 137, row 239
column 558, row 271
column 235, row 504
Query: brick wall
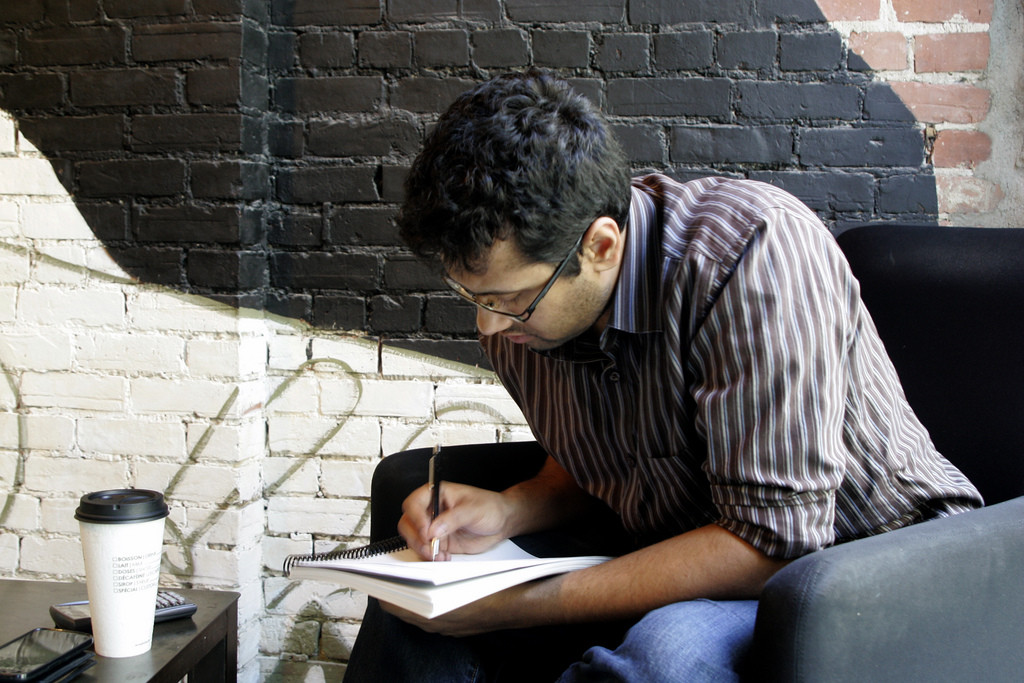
column 196, row 203
column 252, row 151
column 261, row 431
column 935, row 57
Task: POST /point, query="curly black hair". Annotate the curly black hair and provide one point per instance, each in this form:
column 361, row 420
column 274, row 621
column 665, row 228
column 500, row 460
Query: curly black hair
column 520, row 157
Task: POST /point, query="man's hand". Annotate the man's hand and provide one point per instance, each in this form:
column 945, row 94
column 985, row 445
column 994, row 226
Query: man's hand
column 471, row 520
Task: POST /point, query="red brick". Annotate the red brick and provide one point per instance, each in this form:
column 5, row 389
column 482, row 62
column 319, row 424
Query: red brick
column 883, row 51
column 943, row 10
column 850, row 10
column 941, row 103
column 936, row 52
column 961, row 148
column 966, row 194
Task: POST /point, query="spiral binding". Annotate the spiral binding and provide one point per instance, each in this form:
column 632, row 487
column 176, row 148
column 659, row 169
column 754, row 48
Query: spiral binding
column 384, row 547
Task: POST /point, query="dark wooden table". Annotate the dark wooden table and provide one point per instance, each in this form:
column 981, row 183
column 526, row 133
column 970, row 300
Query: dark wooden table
column 203, row 647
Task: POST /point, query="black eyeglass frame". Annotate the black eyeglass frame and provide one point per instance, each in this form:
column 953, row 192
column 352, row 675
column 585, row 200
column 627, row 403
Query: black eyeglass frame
column 525, row 315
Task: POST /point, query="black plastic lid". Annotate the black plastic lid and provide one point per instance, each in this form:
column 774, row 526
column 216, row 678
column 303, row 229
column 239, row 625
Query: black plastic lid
column 121, row 506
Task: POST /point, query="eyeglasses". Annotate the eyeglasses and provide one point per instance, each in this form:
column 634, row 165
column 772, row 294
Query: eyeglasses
column 525, row 315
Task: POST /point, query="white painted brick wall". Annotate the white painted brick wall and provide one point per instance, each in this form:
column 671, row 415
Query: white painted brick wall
column 226, row 568
column 58, row 514
column 46, row 474
column 49, row 268
column 22, row 512
column 83, row 308
column 8, row 136
column 349, row 355
column 277, row 548
column 346, row 478
column 29, row 351
column 10, row 552
column 74, row 390
column 295, row 393
column 324, row 435
column 29, row 177
column 60, row 557
column 199, row 482
column 156, row 311
column 182, row 396
column 9, row 464
column 262, row 432
column 132, row 437
column 55, row 221
column 221, row 441
column 328, row 516
column 242, row 525
column 286, row 352
column 388, row 398
column 458, row 402
column 402, row 363
column 287, row 598
column 291, row 476
column 233, row 359
column 8, row 301
column 39, row 431
column 150, row 353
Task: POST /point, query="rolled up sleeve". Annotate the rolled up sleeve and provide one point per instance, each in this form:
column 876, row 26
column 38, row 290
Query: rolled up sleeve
column 770, row 379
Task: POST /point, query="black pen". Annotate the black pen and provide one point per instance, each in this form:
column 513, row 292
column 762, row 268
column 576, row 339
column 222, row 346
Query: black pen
column 435, row 498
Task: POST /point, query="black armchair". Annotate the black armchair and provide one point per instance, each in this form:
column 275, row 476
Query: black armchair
column 942, row 600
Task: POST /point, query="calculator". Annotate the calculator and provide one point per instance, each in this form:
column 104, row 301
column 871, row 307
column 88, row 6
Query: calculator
column 76, row 616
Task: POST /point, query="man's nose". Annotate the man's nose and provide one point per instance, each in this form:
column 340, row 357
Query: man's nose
column 491, row 323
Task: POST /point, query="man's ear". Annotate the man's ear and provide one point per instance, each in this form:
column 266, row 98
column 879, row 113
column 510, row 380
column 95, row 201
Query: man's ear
column 603, row 244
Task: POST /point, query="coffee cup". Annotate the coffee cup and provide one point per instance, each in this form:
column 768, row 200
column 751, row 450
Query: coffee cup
column 122, row 537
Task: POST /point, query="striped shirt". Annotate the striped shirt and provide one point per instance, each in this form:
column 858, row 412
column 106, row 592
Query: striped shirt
column 739, row 381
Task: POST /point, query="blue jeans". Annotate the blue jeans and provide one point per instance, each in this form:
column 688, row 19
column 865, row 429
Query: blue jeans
column 692, row 642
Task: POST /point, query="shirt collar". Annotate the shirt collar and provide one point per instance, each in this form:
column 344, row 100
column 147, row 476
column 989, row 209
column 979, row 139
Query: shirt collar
column 633, row 307
column 633, row 304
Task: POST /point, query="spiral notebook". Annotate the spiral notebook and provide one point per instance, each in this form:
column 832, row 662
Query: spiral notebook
column 393, row 573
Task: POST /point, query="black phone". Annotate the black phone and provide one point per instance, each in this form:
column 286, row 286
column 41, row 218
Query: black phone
column 33, row 655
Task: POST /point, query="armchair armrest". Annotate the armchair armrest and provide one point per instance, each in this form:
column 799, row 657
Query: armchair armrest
column 940, row 600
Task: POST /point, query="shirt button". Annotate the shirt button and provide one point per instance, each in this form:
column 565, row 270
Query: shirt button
column 613, row 376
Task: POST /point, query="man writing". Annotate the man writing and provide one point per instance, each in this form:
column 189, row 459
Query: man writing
column 694, row 357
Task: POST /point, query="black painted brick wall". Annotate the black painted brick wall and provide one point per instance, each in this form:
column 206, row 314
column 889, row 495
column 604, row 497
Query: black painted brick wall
column 253, row 150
